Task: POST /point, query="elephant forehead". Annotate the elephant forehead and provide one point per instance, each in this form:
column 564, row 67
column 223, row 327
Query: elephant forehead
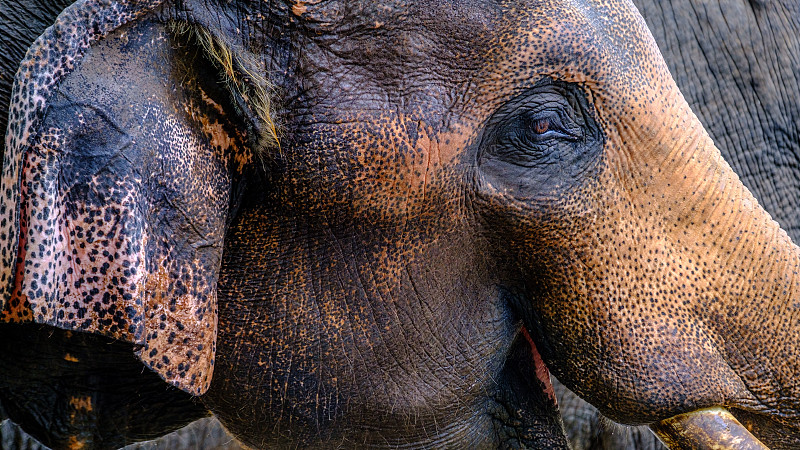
column 593, row 40
column 604, row 45
column 449, row 66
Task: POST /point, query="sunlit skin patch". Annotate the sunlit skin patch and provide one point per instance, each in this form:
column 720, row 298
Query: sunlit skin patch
column 76, row 444
column 81, row 403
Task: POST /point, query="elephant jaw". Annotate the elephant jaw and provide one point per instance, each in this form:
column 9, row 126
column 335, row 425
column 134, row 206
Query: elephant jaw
column 702, row 429
column 709, row 428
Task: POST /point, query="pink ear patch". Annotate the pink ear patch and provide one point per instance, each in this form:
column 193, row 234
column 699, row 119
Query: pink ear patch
column 53, row 56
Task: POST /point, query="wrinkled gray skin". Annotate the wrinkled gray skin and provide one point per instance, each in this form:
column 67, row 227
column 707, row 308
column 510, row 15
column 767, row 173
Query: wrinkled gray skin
column 736, row 63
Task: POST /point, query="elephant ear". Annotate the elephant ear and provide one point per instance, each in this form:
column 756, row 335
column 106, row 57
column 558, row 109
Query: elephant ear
column 117, row 185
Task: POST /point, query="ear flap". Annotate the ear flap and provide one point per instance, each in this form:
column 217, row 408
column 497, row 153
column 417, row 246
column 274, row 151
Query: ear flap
column 116, row 188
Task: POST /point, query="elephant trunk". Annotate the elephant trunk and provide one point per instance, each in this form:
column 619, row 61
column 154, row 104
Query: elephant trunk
column 731, row 273
column 698, row 283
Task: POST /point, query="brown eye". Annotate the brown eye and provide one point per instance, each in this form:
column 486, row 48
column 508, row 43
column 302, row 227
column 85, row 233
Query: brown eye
column 540, row 126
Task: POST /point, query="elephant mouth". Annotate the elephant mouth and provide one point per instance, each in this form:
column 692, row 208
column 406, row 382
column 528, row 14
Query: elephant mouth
column 529, row 409
column 714, row 427
column 541, row 372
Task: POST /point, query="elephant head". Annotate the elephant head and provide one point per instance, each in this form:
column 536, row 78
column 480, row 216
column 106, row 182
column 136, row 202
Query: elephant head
column 346, row 223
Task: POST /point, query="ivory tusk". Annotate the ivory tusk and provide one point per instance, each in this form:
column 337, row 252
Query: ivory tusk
column 712, row 428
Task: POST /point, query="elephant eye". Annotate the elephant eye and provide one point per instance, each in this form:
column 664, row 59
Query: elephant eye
column 546, row 125
column 541, row 126
column 530, row 132
column 540, row 142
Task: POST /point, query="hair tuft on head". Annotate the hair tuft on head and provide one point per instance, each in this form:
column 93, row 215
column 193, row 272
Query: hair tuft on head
column 240, row 73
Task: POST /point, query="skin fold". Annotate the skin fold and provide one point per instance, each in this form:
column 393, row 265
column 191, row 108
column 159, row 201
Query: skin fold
column 367, row 282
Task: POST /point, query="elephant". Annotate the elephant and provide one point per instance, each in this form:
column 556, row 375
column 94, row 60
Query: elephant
column 345, row 253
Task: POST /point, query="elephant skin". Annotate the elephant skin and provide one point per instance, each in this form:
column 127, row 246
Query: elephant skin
column 463, row 196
